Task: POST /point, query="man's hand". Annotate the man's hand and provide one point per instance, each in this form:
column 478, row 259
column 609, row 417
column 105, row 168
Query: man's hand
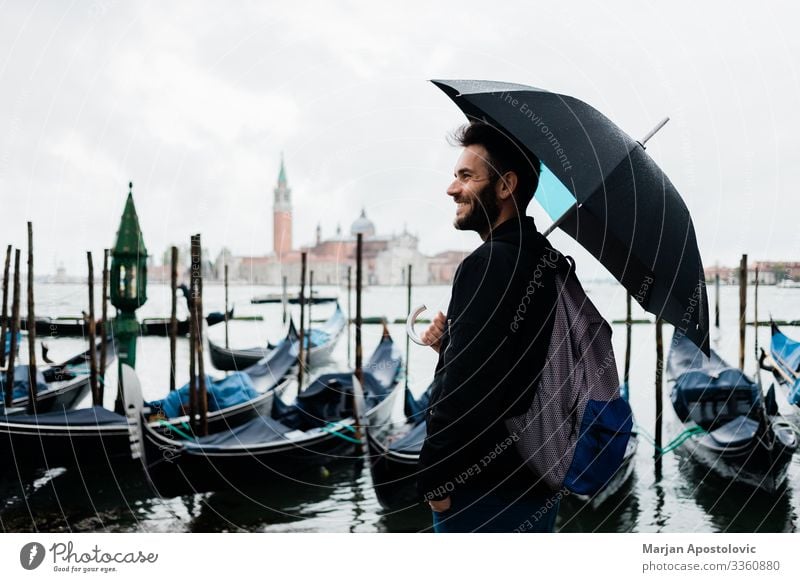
column 433, row 335
column 441, row 505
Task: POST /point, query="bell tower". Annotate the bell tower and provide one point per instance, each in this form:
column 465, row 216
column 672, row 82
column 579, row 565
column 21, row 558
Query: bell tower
column 282, row 215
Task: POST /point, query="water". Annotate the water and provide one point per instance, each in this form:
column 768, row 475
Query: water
column 680, row 497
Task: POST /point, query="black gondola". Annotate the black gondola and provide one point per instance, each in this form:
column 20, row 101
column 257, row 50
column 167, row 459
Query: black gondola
column 785, row 357
column 95, row 435
column 63, row 438
column 292, row 299
column 317, row 429
column 734, row 432
column 216, row 317
column 227, row 359
column 269, row 376
column 159, row 326
column 322, row 342
column 60, row 386
column 59, row 326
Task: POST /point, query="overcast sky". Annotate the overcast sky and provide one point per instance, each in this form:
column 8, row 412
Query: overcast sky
column 195, row 101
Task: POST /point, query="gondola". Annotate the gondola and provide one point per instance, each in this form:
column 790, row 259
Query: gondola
column 58, row 326
column 293, row 299
column 64, row 437
column 323, row 341
column 785, row 358
column 234, row 400
column 318, row 428
column 395, row 454
column 228, row 359
column 216, row 317
column 59, row 386
column 732, row 429
column 159, row 326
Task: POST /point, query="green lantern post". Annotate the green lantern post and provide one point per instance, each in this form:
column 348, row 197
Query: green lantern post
column 128, row 288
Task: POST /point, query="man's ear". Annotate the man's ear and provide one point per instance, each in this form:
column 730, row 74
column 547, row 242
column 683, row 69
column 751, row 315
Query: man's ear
column 506, row 185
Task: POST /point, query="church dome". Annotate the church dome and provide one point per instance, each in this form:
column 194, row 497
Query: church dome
column 362, row 225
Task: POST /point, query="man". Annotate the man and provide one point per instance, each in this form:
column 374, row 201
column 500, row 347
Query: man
column 492, row 344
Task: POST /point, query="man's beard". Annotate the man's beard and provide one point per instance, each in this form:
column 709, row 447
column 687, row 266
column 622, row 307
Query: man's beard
column 483, row 211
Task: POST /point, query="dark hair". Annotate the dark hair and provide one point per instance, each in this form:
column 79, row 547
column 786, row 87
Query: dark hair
column 505, row 155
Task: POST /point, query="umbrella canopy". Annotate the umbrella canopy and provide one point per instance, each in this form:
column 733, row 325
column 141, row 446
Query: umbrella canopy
column 600, row 186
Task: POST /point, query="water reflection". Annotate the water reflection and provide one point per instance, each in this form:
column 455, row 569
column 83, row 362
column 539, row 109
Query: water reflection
column 618, row 513
column 735, row 507
column 268, row 506
column 102, row 499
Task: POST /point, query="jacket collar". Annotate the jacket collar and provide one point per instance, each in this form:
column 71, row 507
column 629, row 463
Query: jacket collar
column 513, row 229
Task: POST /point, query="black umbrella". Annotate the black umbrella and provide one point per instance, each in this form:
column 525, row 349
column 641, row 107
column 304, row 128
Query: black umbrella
column 601, row 188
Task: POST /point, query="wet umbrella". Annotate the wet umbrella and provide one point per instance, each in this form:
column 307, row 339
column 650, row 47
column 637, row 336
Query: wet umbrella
column 602, row 188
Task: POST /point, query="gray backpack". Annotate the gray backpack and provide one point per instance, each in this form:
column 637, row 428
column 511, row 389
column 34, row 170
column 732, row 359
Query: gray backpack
column 576, row 430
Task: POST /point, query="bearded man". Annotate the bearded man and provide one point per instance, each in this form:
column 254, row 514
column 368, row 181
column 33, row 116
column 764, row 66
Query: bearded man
column 492, row 345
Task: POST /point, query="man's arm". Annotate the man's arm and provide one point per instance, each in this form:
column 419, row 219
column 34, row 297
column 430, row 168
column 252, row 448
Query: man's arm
column 474, row 363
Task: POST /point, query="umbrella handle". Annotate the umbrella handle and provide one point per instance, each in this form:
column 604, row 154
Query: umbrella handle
column 412, row 317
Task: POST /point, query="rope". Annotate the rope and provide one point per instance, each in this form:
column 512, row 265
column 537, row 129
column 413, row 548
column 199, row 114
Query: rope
column 188, row 437
column 332, row 428
column 681, row 438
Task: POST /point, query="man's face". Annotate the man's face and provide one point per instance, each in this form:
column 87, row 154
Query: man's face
column 473, row 191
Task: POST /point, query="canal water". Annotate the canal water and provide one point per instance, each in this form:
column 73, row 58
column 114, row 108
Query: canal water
column 677, row 497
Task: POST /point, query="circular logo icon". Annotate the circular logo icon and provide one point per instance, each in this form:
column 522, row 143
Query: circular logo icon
column 31, row 555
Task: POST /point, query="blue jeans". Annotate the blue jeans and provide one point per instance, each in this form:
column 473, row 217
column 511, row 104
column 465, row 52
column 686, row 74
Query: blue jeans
column 488, row 513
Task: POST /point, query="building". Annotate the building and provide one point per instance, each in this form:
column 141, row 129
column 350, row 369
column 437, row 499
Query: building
column 282, row 215
column 385, row 257
column 769, row 273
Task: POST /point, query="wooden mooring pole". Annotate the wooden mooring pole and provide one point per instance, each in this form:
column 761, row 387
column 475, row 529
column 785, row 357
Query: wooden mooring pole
column 755, row 318
column 32, row 395
column 359, row 372
column 716, row 300
column 408, row 312
column 359, row 280
column 302, row 298
column 104, row 328
column 349, row 312
column 197, row 302
column 4, row 312
column 193, row 407
column 628, row 338
column 92, row 332
column 14, row 330
column 173, row 317
column 742, row 308
column 310, row 303
column 227, row 338
column 659, row 386
column 285, row 302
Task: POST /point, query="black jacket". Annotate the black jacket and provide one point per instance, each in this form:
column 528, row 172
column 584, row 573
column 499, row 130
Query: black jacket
column 499, row 323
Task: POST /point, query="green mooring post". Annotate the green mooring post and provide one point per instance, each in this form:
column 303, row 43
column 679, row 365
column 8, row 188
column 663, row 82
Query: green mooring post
column 128, row 288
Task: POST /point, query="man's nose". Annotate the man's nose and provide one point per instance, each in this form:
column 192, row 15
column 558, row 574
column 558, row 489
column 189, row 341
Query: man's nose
column 454, row 188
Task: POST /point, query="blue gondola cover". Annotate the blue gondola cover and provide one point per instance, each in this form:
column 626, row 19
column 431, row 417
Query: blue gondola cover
column 20, row 388
column 234, row 389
